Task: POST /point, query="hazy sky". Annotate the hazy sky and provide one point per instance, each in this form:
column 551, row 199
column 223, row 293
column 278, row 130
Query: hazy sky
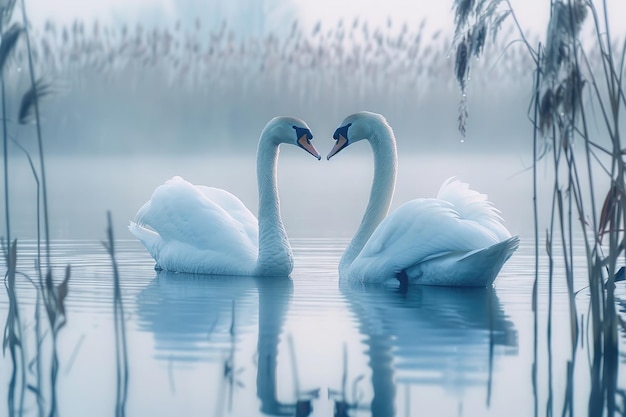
column 532, row 14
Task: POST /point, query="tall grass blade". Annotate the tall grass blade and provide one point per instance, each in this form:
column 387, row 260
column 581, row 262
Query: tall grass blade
column 13, row 338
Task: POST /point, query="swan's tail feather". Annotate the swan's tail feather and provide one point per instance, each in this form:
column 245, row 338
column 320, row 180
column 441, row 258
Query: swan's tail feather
column 150, row 239
column 472, row 205
column 489, row 261
column 502, row 250
column 477, row 268
column 512, row 244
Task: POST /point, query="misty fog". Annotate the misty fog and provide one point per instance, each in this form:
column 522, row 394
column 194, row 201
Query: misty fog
column 138, row 90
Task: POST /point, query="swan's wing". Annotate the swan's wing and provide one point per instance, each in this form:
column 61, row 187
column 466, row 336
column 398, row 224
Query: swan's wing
column 181, row 212
column 235, row 208
column 472, row 205
column 418, row 231
column 149, row 238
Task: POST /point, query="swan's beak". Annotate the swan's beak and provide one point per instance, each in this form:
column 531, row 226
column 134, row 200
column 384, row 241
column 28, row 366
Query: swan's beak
column 341, row 143
column 305, row 144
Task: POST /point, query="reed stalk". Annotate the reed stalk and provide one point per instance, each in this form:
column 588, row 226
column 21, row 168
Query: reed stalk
column 537, row 76
column 13, row 339
column 5, row 149
column 8, row 41
column 38, row 288
column 121, row 351
column 35, row 104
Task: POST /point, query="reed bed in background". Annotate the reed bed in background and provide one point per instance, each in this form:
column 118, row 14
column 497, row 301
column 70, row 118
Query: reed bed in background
column 201, row 82
column 573, row 82
column 369, row 57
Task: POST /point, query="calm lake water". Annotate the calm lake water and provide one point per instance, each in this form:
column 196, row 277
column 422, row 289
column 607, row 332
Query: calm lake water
column 218, row 346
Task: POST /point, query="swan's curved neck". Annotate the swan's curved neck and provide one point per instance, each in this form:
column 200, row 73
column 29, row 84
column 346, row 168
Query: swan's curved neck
column 275, row 257
column 383, row 144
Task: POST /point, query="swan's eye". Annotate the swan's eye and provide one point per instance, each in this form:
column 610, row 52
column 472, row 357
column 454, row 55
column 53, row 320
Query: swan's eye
column 301, row 131
column 342, row 131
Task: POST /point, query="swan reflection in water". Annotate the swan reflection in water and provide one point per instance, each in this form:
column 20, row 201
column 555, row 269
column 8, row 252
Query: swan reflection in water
column 420, row 336
column 427, row 336
column 190, row 317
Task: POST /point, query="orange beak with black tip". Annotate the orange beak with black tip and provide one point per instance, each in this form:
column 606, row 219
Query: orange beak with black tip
column 305, row 143
column 340, row 143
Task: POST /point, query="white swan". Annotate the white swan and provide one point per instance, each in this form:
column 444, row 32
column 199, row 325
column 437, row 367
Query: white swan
column 197, row 229
column 456, row 239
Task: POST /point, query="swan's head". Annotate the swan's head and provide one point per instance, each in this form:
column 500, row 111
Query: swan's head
column 356, row 127
column 293, row 131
